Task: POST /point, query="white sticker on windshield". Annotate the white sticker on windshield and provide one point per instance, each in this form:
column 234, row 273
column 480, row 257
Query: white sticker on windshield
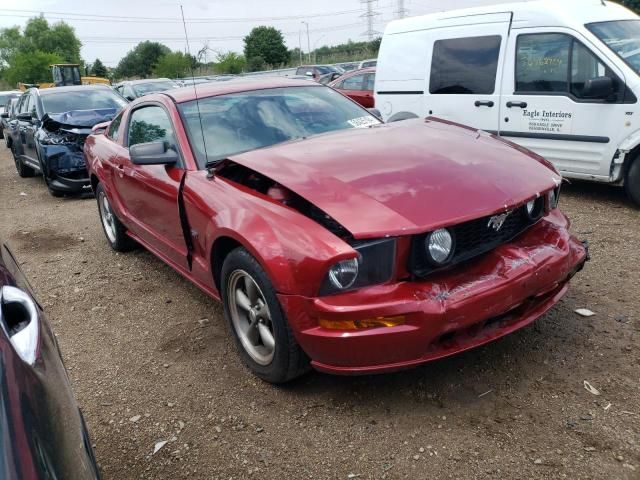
column 363, row 122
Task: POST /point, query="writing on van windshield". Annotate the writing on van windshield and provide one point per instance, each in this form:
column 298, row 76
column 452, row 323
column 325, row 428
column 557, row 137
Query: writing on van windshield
column 547, row 121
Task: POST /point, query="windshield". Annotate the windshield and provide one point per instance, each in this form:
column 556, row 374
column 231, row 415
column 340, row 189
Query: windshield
column 146, row 88
column 622, row 37
column 60, row 102
column 245, row 121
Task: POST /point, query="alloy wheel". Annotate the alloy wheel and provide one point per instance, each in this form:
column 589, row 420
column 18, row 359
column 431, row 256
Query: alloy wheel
column 107, row 217
column 250, row 317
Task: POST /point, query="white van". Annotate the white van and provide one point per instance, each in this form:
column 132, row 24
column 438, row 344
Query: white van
column 558, row 77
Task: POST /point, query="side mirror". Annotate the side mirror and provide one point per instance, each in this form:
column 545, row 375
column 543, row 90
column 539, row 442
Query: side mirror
column 153, row 153
column 375, row 112
column 4, row 115
column 598, row 87
column 24, row 117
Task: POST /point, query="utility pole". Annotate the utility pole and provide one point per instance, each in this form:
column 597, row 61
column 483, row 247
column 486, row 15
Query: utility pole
column 401, row 12
column 370, row 16
column 308, row 42
column 300, row 46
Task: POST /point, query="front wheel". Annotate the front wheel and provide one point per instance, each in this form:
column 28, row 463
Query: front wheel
column 114, row 230
column 23, row 170
column 260, row 330
column 632, row 182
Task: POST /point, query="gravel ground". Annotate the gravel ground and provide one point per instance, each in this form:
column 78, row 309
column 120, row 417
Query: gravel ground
column 150, row 360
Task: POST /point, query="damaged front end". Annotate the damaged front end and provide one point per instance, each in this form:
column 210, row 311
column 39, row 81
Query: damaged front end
column 61, row 141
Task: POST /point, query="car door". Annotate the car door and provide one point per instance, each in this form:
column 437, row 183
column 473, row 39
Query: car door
column 149, row 193
column 464, row 77
column 31, row 128
column 545, row 110
column 369, row 82
column 26, row 146
column 353, row 87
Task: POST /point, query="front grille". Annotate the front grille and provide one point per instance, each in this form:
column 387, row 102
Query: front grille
column 472, row 238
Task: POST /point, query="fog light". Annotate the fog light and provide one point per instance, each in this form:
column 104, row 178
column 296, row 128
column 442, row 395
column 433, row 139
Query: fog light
column 439, row 246
column 360, row 324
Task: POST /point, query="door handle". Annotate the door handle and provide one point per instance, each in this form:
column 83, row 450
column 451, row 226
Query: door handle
column 517, row 104
column 19, row 320
column 484, row 103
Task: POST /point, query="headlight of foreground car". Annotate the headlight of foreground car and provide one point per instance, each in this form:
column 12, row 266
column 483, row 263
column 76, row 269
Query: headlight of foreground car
column 554, row 197
column 373, row 265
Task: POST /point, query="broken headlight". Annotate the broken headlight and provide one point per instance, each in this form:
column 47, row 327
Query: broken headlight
column 554, row 197
column 373, row 265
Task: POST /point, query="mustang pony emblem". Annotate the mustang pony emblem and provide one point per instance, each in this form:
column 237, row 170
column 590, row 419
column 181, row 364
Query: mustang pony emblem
column 497, row 221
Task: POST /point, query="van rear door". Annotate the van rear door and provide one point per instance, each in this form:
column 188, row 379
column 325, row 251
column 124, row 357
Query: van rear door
column 546, row 108
column 466, row 61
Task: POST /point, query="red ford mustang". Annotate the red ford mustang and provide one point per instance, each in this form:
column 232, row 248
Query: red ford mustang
column 334, row 240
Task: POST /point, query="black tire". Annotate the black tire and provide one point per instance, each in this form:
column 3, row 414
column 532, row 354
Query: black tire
column 289, row 361
column 118, row 239
column 52, row 191
column 632, row 181
column 24, row 171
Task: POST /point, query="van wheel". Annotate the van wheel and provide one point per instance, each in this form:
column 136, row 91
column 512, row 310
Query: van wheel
column 632, row 181
column 401, row 116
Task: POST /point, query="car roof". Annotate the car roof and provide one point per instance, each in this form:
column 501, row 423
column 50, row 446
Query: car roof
column 204, row 90
column 73, row 88
column 5, row 92
column 548, row 13
column 145, row 80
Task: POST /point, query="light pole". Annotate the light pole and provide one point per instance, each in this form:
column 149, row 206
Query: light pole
column 308, row 42
column 300, row 46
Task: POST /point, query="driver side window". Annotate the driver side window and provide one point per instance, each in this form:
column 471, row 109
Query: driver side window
column 150, row 124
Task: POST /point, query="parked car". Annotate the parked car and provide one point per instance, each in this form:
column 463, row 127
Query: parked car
column 5, row 99
column 43, row 432
column 348, row 66
column 132, row 89
column 329, row 77
column 372, row 62
column 50, row 128
column 357, row 85
column 316, row 71
column 559, row 78
column 330, row 236
column 7, row 114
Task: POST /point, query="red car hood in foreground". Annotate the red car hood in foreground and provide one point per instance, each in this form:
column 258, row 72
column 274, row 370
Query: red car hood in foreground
column 404, row 177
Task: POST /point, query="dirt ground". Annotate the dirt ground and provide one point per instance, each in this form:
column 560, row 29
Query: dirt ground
column 150, row 360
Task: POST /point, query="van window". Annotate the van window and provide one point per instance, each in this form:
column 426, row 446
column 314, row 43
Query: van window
column 542, row 62
column 465, row 65
column 556, row 63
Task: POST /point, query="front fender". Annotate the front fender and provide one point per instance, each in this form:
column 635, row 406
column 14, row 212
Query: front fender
column 294, row 250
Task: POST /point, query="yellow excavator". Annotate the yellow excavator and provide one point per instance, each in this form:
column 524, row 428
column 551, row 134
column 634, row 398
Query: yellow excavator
column 65, row 74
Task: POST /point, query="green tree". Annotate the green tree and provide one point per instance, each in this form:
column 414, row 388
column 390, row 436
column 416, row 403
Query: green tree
column 59, row 38
column 229, row 62
column 631, row 5
column 174, row 65
column 98, row 69
column 268, row 43
column 141, row 61
column 31, row 67
column 255, row 64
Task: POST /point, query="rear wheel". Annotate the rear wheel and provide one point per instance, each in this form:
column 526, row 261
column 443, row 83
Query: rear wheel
column 260, row 330
column 114, row 230
column 632, row 181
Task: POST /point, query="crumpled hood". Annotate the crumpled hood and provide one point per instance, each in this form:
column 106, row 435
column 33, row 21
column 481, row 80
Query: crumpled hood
column 405, row 177
column 77, row 121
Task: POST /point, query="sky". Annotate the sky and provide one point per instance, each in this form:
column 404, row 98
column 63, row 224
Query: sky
column 108, row 30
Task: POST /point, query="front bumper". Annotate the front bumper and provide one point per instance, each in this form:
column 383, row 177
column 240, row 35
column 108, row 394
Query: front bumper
column 467, row 306
column 79, row 183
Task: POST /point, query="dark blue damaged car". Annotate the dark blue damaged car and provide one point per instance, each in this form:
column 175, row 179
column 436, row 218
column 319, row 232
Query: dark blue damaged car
column 42, row 432
column 49, row 130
